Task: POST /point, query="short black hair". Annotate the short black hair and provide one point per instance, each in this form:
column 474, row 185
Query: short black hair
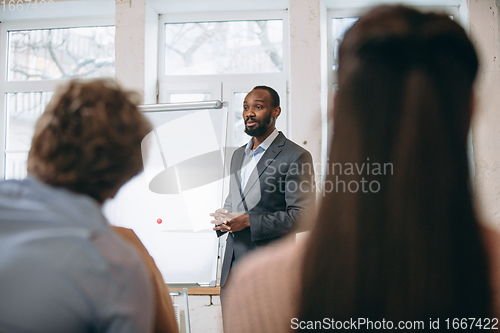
column 275, row 98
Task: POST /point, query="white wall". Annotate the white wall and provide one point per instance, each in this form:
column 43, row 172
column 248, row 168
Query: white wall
column 150, row 54
column 136, row 47
column 484, row 31
column 130, row 45
column 307, row 64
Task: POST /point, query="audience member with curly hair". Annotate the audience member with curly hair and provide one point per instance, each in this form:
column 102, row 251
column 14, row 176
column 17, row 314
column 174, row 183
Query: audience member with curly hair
column 62, row 267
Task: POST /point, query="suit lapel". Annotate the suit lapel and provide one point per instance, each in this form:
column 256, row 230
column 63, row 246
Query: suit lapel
column 239, row 166
column 269, row 156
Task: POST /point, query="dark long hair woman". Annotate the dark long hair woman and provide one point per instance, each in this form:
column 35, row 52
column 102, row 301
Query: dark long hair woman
column 409, row 246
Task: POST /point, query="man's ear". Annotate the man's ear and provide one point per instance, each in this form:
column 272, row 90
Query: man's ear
column 276, row 111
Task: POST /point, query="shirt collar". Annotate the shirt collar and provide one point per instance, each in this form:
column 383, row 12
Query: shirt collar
column 264, row 145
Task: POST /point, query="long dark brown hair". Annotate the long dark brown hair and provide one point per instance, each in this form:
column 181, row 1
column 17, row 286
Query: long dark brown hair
column 408, row 247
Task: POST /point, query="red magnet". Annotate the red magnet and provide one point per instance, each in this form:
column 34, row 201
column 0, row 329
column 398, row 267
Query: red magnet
column 159, row 221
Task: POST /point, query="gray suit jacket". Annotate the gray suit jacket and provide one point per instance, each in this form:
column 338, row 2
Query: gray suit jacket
column 275, row 197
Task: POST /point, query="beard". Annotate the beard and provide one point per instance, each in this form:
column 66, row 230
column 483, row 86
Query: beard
column 260, row 128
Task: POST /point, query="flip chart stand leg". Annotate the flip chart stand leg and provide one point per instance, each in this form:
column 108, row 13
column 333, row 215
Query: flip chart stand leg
column 186, row 313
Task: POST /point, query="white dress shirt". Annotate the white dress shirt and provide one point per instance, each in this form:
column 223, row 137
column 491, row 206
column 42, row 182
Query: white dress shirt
column 252, row 157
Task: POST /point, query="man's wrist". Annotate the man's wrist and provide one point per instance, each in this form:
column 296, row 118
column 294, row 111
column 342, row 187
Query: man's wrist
column 247, row 220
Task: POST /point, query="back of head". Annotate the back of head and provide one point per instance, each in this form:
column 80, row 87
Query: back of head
column 88, row 140
column 397, row 238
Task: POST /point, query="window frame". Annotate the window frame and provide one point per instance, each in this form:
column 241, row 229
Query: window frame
column 222, row 86
column 7, row 87
column 220, row 17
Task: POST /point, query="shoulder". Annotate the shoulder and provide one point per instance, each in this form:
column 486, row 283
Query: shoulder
column 63, row 240
column 235, row 152
column 491, row 239
column 121, row 256
column 291, row 148
column 265, row 287
column 132, row 239
column 125, row 279
column 89, row 272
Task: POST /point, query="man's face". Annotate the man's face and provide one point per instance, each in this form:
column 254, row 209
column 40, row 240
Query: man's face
column 258, row 112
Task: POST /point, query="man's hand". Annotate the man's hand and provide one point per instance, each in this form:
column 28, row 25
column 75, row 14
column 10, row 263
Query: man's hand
column 222, row 216
column 239, row 223
column 222, row 227
column 226, row 221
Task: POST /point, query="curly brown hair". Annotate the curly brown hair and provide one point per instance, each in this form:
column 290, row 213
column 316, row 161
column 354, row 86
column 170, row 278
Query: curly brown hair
column 88, row 140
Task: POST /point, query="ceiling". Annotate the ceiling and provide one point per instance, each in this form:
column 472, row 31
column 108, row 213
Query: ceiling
column 179, row 6
column 61, row 9
column 82, row 8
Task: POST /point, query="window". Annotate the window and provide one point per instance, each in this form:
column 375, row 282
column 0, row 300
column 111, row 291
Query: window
column 228, row 47
column 40, row 57
column 223, row 56
column 48, row 54
column 339, row 26
column 23, row 109
column 189, row 97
